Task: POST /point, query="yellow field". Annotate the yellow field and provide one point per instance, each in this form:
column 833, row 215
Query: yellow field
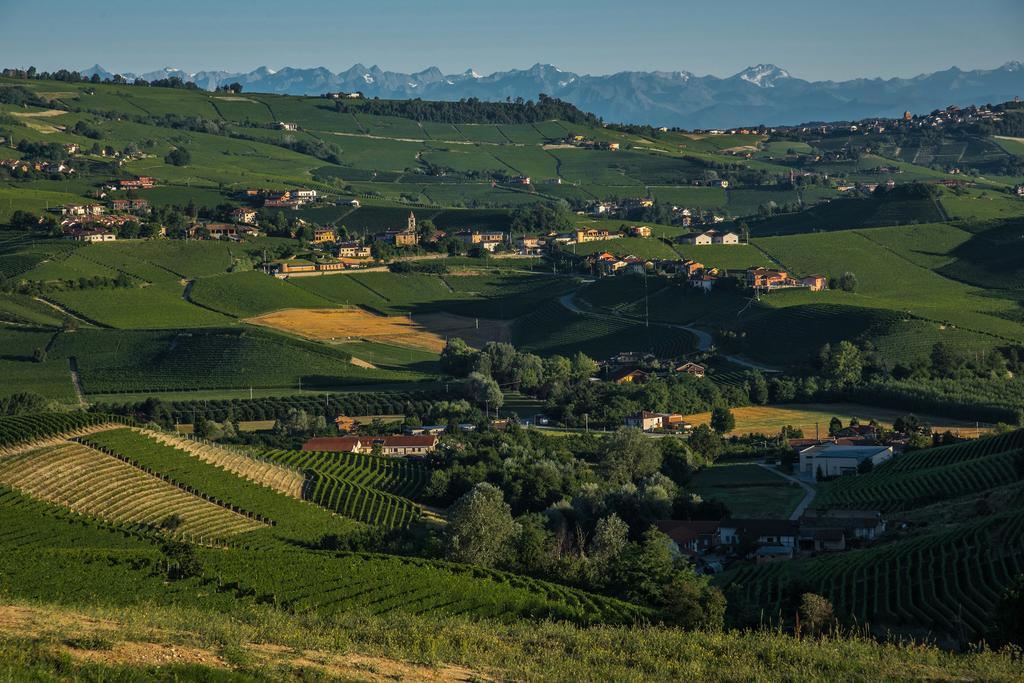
column 770, row 419
column 346, row 324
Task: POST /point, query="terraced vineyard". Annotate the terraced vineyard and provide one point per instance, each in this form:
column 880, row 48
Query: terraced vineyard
column 363, row 488
column 96, row 484
column 947, row 581
column 397, row 476
column 294, row 520
column 21, row 428
column 383, row 584
column 281, row 479
column 931, row 475
column 371, row 489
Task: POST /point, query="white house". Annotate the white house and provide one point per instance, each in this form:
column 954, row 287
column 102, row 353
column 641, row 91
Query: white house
column 832, row 460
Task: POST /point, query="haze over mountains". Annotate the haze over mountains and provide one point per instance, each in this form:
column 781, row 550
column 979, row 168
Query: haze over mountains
column 761, row 94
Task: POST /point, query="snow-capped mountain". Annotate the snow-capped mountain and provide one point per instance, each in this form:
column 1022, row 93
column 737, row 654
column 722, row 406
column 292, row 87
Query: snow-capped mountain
column 760, row 94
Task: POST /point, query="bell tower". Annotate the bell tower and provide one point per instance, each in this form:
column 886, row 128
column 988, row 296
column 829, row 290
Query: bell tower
column 411, row 224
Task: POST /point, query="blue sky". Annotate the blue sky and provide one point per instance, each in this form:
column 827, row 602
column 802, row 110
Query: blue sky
column 813, row 40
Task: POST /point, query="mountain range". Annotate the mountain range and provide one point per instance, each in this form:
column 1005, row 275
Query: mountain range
column 761, row 94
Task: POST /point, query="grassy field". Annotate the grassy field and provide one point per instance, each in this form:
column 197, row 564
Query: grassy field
column 887, row 280
column 808, row 417
column 748, row 490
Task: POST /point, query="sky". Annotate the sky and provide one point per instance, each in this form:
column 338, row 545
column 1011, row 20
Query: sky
column 813, row 40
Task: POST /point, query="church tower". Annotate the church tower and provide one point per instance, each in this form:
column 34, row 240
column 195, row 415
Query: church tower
column 411, row 225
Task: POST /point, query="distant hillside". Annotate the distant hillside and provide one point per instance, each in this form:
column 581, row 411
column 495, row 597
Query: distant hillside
column 762, row 94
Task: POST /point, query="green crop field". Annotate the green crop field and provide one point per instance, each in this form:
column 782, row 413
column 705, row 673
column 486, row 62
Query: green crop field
column 160, row 306
column 116, row 361
column 251, row 293
column 748, row 490
column 551, row 329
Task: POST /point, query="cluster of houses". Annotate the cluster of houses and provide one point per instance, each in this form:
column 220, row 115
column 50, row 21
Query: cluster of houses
column 767, row 279
column 92, row 222
column 280, row 199
column 706, row 237
column 708, row 542
column 584, row 142
column 25, row 166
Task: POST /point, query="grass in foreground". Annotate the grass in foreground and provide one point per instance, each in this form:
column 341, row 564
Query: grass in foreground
column 94, row 644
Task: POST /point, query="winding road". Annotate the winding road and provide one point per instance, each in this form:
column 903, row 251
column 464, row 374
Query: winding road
column 704, row 340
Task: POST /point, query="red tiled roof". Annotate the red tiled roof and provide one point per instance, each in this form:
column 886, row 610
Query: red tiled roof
column 333, row 444
column 683, row 531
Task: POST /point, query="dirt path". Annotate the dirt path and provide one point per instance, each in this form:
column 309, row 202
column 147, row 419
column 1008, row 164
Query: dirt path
column 88, row 639
column 61, row 310
column 76, row 381
column 809, row 492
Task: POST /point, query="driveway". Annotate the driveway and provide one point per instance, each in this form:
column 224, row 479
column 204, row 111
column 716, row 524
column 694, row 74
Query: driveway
column 809, row 492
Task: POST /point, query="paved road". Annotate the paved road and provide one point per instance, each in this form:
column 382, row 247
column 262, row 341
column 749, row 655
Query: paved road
column 809, row 492
column 704, row 340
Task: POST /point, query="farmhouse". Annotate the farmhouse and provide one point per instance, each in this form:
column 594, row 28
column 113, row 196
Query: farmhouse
column 129, row 205
column 691, row 369
column 140, row 183
column 816, row 283
column 90, row 234
column 353, row 249
column 767, row 278
column 218, row 231
column 639, row 231
column 323, row 235
column 243, row 215
column 82, row 210
column 833, row 460
column 488, row 240
column 396, row 446
column 645, row 421
column 584, row 235
column 529, row 245
column 710, row 237
column 778, row 532
column 284, row 125
column 691, row 537
column 628, row 376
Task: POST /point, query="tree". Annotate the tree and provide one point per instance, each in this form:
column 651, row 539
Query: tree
column 630, row 456
column 583, row 366
column 842, row 362
column 480, row 527
column 179, row 156
column 946, row 360
column 457, row 357
column 610, row 539
column 706, row 441
column 816, row 614
column 181, row 560
column 835, row 425
column 483, row 390
column 642, row 570
column 848, row 282
column 722, row 420
column 692, row 603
